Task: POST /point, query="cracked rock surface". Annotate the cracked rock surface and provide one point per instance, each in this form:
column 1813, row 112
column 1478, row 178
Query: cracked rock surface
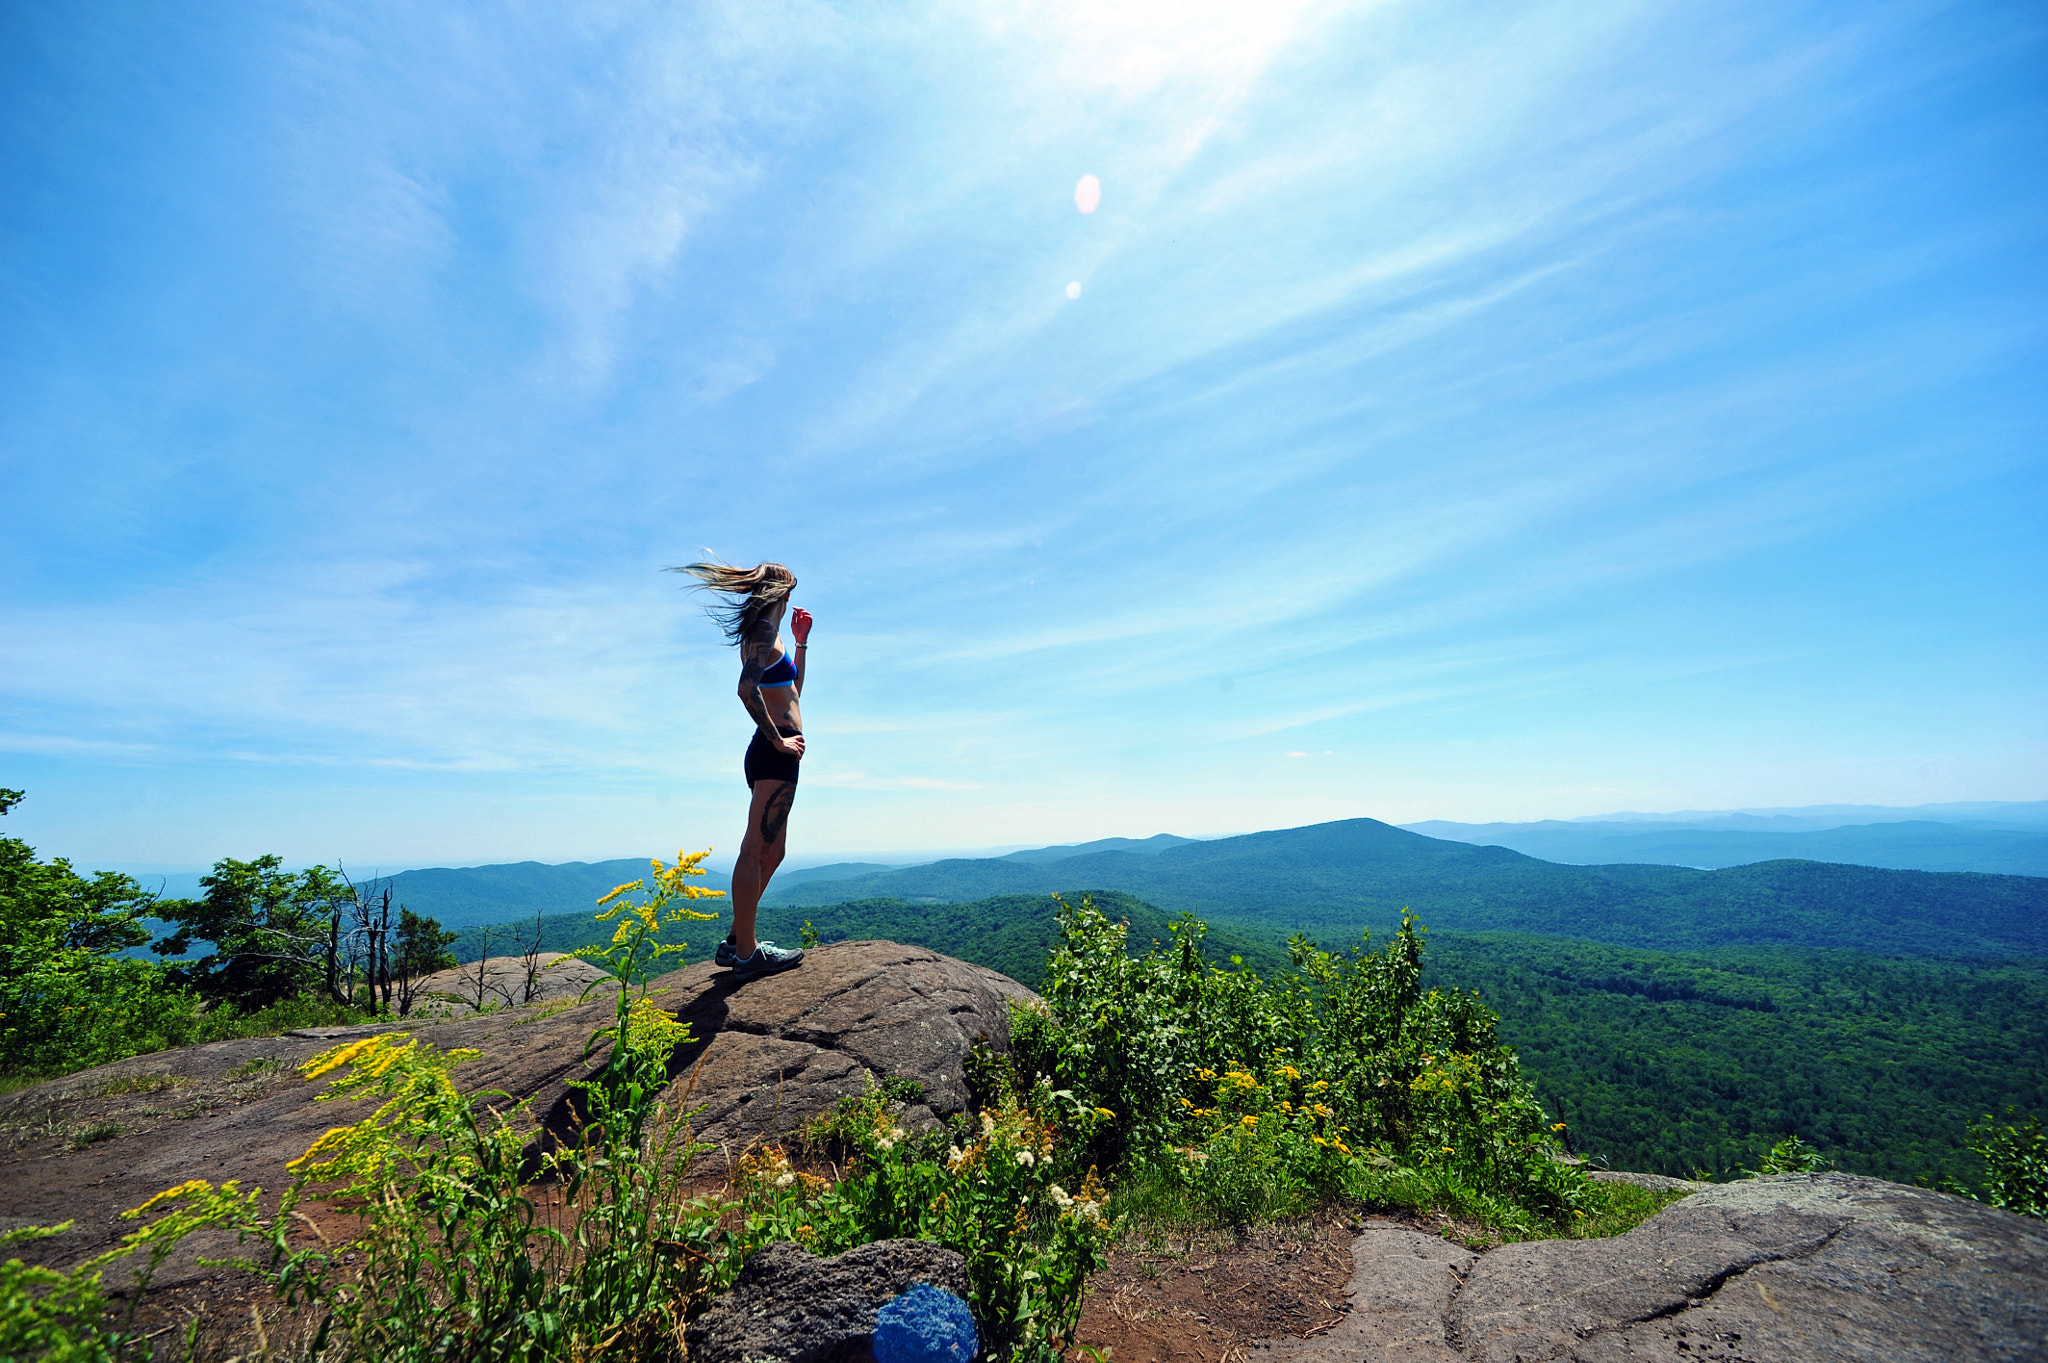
column 773, row 1052
column 789, row 1306
column 782, row 1049
column 1777, row 1270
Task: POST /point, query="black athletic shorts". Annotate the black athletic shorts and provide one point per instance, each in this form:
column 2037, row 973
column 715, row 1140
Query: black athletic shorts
column 770, row 764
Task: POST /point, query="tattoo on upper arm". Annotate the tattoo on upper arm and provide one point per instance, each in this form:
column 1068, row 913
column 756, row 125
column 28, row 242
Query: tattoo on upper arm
column 754, row 659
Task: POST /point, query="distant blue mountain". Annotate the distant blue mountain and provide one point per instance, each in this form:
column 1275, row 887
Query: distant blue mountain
column 1914, row 845
column 1152, row 846
column 2017, row 814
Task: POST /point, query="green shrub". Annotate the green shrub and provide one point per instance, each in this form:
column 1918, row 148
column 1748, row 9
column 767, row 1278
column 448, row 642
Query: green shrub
column 1792, row 1156
column 1346, row 1079
column 2016, row 1163
column 68, row 999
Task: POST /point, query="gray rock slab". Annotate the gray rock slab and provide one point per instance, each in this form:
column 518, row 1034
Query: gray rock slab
column 1776, row 1270
column 1402, row 1283
column 790, row 1306
column 852, row 1009
column 1799, row 1268
column 511, row 982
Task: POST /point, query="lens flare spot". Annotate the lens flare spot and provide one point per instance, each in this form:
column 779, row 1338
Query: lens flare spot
column 1074, row 289
column 1087, row 193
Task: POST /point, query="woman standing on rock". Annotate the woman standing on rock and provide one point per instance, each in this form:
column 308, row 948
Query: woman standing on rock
column 770, row 682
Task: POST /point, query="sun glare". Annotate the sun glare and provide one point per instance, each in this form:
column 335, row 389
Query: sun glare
column 1087, row 193
column 1074, row 289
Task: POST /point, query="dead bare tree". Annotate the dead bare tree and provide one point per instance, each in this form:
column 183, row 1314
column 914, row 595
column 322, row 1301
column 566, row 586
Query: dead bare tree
column 480, row 984
column 359, row 943
column 528, row 940
column 408, row 986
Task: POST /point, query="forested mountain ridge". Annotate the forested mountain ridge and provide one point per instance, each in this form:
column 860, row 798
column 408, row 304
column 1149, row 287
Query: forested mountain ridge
column 1333, row 879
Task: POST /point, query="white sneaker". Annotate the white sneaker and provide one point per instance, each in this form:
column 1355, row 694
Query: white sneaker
column 768, row 959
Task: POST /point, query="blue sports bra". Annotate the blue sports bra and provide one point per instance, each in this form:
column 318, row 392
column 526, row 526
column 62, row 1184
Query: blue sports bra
column 777, row 674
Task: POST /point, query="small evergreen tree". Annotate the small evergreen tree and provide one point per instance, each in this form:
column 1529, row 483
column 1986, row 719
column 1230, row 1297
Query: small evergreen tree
column 271, row 932
column 422, row 950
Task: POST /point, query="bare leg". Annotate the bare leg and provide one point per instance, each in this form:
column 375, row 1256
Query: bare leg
column 760, row 853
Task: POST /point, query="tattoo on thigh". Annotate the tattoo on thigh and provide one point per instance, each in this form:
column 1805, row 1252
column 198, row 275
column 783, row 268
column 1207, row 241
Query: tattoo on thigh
column 775, row 814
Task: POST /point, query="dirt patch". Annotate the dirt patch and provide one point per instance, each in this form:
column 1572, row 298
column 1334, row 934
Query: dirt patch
column 1207, row 1299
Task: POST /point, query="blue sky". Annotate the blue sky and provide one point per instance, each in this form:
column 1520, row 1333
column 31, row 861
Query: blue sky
column 1464, row 411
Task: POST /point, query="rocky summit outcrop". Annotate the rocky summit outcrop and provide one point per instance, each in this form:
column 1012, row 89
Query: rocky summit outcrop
column 768, row 1054
column 1791, row 1269
column 790, row 1306
column 510, row 982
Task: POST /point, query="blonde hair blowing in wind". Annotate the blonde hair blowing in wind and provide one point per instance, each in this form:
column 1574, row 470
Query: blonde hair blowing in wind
column 755, row 592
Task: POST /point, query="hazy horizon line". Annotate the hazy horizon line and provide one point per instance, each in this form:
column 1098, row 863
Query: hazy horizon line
column 897, row 858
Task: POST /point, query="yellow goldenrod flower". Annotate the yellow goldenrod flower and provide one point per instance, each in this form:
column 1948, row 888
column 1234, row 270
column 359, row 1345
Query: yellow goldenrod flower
column 329, row 1061
column 190, row 1185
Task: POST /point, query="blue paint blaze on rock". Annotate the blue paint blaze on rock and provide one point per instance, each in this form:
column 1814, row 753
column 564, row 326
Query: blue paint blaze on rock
column 925, row 1325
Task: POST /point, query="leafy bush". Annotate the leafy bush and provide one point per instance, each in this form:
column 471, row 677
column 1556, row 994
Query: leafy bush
column 1344, row 1079
column 2016, row 1163
column 51, row 1315
column 68, row 999
column 1792, row 1156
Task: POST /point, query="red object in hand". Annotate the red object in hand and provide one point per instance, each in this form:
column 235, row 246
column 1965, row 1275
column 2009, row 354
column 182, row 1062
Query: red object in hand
column 800, row 624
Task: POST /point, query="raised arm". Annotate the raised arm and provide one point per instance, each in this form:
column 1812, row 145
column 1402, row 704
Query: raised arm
column 800, row 626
